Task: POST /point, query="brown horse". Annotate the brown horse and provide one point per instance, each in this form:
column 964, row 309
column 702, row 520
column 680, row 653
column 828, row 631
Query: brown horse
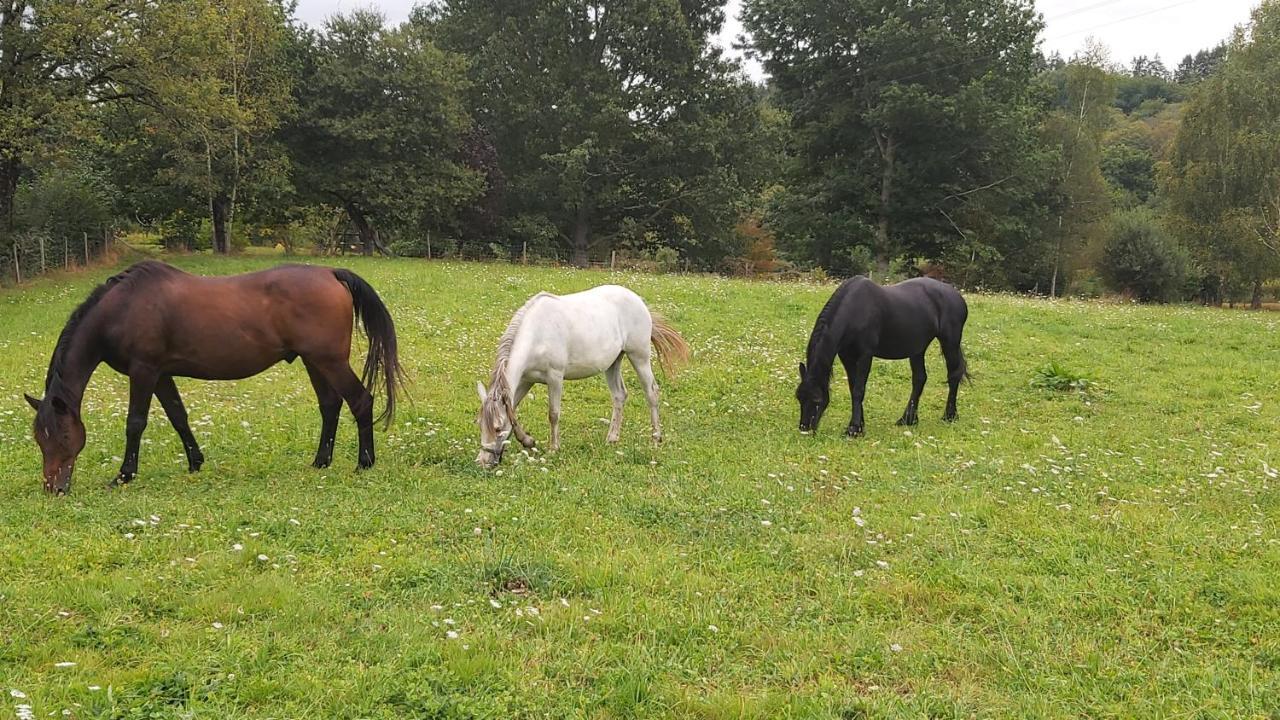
column 154, row 322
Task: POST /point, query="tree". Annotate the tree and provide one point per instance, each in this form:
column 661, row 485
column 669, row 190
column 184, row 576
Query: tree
column 380, row 125
column 613, row 121
column 1223, row 180
column 907, row 117
column 1140, row 260
column 1200, row 66
column 58, row 60
column 213, row 79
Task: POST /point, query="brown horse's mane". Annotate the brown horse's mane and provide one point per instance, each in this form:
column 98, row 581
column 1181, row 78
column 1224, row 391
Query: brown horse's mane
column 129, row 275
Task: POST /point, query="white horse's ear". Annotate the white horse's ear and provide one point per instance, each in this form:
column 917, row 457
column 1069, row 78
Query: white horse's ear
column 480, row 391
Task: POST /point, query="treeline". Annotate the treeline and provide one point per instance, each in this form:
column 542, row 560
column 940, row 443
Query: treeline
column 931, row 137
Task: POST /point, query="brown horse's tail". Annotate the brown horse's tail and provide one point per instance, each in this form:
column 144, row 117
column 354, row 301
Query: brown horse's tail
column 382, row 364
column 673, row 351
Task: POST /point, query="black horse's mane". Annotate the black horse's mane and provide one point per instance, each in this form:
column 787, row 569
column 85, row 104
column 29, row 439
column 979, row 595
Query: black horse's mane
column 823, row 324
column 131, row 273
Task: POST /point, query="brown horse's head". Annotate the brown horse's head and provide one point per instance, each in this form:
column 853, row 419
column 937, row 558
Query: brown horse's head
column 60, row 435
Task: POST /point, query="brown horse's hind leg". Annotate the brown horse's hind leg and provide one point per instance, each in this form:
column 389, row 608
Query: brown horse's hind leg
column 167, row 394
column 330, row 406
column 142, row 385
column 340, row 377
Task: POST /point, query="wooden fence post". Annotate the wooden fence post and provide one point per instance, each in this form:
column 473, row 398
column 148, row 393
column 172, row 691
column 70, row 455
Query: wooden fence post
column 17, row 268
column 43, row 265
column 86, row 248
column 613, row 256
column 66, row 254
column 524, row 253
column 428, row 244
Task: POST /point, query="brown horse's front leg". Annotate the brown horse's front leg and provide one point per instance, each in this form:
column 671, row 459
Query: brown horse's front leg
column 171, row 401
column 142, row 385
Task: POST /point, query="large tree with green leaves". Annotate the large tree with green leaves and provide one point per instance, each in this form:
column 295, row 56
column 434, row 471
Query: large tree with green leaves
column 213, row 82
column 614, row 122
column 381, row 121
column 1223, row 180
column 909, row 118
column 58, row 61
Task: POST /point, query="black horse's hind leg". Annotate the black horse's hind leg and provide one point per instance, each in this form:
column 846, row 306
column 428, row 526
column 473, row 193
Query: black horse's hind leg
column 918, row 378
column 956, row 371
column 339, row 375
column 858, row 369
column 167, row 394
column 142, row 385
column 330, row 406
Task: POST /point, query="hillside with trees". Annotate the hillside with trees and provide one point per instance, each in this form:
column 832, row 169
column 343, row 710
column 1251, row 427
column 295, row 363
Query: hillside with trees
column 925, row 137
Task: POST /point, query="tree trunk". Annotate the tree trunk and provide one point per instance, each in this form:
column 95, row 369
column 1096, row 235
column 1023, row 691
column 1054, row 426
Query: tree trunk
column 368, row 238
column 1255, row 302
column 887, row 147
column 581, row 237
column 220, row 208
column 9, row 171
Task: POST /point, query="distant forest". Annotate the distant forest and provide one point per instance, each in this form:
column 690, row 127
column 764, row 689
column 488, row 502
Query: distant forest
column 935, row 137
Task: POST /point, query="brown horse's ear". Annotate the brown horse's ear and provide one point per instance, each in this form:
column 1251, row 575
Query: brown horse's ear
column 480, row 391
column 802, row 371
column 59, row 406
column 34, row 403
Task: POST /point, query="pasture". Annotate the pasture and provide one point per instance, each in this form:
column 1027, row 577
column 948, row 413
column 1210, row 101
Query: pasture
column 1105, row 551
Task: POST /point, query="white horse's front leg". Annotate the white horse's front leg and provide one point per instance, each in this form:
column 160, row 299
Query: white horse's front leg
column 555, row 388
column 522, row 436
column 619, row 392
column 650, row 384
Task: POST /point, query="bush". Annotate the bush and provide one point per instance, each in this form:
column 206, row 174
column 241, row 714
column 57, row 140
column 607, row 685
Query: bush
column 65, row 204
column 180, row 231
column 1139, row 260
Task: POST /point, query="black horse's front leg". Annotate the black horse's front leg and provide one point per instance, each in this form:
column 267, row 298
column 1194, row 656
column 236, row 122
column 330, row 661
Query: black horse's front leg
column 858, row 369
column 171, row 401
column 918, row 378
column 142, row 385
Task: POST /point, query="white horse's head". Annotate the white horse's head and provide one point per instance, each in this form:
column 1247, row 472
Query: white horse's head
column 495, row 424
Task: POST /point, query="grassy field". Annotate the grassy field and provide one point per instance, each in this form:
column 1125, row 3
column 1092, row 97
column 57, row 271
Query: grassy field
column 1106, row 553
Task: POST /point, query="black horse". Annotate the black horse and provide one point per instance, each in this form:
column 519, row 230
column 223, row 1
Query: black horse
column 863, row 320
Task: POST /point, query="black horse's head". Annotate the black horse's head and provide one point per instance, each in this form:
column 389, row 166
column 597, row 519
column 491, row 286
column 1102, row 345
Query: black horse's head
column 813, row 395
column 60, row 434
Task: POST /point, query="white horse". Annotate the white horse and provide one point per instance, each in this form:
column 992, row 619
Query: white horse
column 554, row 338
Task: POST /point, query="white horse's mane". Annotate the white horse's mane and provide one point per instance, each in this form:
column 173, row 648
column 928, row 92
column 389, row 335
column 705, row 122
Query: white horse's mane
column 498, row 378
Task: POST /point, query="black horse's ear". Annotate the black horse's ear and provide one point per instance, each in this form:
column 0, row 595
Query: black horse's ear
column 59, row 406
column 801, row 371
column 34, row 403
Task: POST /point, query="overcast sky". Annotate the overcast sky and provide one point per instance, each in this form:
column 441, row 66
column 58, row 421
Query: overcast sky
column 1168, row 28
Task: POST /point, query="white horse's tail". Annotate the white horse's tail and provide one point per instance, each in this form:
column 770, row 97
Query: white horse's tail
column 673, row 351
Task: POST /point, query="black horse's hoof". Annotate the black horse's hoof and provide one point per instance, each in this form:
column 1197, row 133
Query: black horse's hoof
column 195, row 465
column 321, row 464
column 950, row 418
column 906, row 420
column 121, row 480
column 853, row 431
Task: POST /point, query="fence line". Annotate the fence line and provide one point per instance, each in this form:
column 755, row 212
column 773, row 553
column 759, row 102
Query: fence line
column 34, row 253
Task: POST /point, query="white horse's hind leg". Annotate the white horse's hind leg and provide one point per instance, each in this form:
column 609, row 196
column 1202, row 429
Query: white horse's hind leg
column 619, row 391
column 645, row 370
column 555, row 388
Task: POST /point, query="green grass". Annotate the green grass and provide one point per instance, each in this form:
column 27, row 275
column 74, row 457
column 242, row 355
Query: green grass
column 1051, row 554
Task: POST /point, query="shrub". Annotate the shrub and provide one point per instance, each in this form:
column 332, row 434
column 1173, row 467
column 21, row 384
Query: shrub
column 64, row 203
column 180, row 231
column 1140, row 260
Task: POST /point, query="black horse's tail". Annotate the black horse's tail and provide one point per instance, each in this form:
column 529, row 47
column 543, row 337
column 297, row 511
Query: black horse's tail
column 382, row 363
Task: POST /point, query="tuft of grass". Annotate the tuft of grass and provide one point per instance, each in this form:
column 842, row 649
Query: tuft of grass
column 1056, row 377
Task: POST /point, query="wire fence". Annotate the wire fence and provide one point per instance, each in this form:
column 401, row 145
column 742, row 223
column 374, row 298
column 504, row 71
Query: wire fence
column 30, row 254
